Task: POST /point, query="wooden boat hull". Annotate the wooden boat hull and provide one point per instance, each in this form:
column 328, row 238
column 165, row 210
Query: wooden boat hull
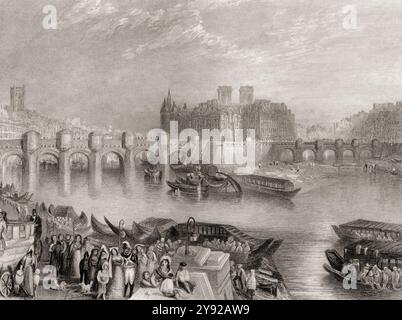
column 187, row 188
column 344, row 234
column 334, row 258
column 337, row 274
column 101, row 228
column 271, row 192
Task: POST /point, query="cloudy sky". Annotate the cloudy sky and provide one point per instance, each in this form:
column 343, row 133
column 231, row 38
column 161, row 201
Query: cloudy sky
column 112, row 61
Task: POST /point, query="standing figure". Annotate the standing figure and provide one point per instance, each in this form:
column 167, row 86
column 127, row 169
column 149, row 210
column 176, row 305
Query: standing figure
column 395, row 278
column 67, row 256
column 54, row 252
column 116, row 286
column 142, row 260
column 62, row 254
column 36, row 280
column 251, row 284
column 75, row 253
column 3, row 230
column 240, row 278
column 103, row 257
column 103, row 279
column 28, row 265
column 85, row 270
column 152, row 260
column 93, row 267
column 130, row 264
column 37, row 231
column 46, row 250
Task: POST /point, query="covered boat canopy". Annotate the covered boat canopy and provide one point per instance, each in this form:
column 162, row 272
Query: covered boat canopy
column 383, row 248
column 374, row 225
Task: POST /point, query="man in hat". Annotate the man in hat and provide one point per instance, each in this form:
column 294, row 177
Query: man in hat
column 183, row 279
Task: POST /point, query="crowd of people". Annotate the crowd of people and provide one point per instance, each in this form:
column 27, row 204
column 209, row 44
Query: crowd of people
column 239, row 251
column 243, row 283
column 381, row 279
column 375, row 235
column 115, row 272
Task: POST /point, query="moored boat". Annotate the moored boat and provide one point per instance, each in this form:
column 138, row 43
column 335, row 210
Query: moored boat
column 268, row 185
column 361, row 229
column 334, row 258
column 188, row 188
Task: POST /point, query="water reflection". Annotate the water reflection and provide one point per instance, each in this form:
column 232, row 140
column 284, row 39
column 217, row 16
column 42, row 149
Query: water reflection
column 304, row 223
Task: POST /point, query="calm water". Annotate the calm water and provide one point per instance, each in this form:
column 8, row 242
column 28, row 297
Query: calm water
column 304, row 223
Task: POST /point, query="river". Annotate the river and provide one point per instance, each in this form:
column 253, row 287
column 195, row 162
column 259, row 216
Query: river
column 304, row 223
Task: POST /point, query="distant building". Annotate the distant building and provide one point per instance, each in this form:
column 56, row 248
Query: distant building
column 382, row 122
column 17, row 97
column 271, row 121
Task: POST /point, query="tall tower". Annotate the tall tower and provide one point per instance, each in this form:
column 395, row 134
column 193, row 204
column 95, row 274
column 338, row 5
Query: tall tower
column 17, row 96
column 225, row 95
column 246, row 94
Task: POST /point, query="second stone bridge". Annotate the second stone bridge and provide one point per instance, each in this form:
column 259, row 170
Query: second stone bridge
column 31, row 148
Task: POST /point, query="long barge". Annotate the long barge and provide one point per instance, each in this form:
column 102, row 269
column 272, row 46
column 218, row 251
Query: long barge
column 268, row 185
column 361, row 229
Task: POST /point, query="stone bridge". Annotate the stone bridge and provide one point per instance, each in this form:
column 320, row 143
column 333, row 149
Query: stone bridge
column 31, row 148
column 293, row 152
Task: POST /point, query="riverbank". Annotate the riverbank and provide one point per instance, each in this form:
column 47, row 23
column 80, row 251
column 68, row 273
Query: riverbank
column 392, row 165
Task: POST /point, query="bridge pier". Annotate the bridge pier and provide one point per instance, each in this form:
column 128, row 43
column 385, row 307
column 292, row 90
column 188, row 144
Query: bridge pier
column 30, row 146
column 95, row 174
column 64, row 174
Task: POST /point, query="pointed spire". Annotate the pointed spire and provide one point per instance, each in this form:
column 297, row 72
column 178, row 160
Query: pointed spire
column 163, row 109
column 169, row 100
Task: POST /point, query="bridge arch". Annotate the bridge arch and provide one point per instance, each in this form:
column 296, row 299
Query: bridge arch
column 348, row 156
column 309, row 155
column 329, row 155
column 287, row 155
column 12, row 164
column 365, row 154
column 109, row 158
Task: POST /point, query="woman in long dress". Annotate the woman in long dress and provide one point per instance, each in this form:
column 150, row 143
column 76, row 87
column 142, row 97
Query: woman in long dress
column 28, row 265
column 93, row 266
column 53, row 252
column 116, row 285
column 142, row 260
column 152, row 260
column 75, row 251
column 85, row 269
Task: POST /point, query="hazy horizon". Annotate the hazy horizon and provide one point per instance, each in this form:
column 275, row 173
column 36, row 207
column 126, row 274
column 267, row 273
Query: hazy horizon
column 113, row 61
